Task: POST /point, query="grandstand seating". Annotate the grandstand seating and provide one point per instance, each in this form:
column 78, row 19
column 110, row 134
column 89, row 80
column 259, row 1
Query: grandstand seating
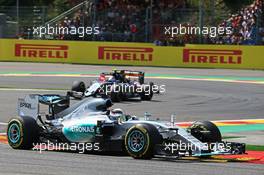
column 129, row 20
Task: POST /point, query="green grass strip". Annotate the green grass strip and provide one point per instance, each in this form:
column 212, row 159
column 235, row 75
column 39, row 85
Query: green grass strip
column 232, row 137
column 241, row 128
column 255, row 147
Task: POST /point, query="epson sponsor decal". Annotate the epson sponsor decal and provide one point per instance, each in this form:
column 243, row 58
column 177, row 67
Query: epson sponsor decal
column 26, row 105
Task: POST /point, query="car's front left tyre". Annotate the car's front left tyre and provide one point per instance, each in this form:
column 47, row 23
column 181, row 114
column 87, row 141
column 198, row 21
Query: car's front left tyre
column 78, row 86
column 140, row 141
column 22, row 133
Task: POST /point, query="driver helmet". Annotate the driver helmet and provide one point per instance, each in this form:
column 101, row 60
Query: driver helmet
column 116, row 114
column 102, row 77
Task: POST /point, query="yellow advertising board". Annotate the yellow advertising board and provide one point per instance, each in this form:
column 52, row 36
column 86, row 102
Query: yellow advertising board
column 222, row 56
column 113, row 53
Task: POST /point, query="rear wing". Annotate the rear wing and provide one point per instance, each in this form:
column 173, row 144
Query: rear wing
column 129, row 73
column 133, row 73
column 126, row 72
column 30, row 104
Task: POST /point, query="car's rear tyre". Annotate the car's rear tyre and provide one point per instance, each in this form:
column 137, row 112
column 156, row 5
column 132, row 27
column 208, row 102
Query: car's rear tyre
column 22, row 133
column 205, row 131
column 116, row 95
column 141, row 79
column 147, row 94
column 78, row 86
column 140, row 141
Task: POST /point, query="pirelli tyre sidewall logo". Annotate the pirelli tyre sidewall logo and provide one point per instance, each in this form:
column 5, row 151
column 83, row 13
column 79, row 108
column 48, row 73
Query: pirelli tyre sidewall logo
column 212, row 56
column 41, row 51
column 136, row 54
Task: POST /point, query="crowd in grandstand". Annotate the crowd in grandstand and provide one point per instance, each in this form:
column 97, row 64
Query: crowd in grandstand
column 244, row 26
column 127, row 20
column 122, row 20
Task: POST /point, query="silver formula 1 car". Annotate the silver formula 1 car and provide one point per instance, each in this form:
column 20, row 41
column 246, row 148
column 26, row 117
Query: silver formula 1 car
column 91, row 121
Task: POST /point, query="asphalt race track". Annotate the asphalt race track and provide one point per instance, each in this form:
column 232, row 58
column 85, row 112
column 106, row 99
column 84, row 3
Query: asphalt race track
column 29, row 162
column 188, row 100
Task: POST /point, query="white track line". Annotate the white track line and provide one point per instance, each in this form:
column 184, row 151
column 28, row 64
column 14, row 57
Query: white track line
column 3, row 133
column 242, row 120
column 41, row 90
column 147, row 77
column 209, row 79
column 220, row 121
column 49, row 75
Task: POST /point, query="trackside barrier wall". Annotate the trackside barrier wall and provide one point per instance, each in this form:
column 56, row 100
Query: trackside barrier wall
column 112, row 53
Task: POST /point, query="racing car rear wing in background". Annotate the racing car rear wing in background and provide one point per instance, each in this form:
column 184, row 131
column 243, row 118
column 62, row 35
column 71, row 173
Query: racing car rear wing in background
column 127, row 73
column 132, row 73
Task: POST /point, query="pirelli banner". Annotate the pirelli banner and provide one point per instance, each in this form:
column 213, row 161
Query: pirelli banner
column 222, row 56
column 112, row 53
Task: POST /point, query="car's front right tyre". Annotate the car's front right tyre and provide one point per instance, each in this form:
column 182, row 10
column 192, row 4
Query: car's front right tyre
column 205, row 131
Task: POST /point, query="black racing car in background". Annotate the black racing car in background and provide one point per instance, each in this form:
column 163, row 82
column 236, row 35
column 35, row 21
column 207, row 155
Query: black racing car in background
column 118, row 85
